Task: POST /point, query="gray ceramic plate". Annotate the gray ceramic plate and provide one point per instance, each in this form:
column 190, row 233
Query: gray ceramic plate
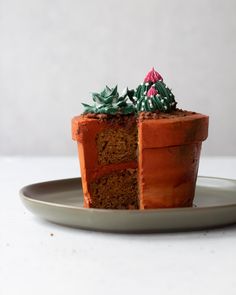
column 61, row 201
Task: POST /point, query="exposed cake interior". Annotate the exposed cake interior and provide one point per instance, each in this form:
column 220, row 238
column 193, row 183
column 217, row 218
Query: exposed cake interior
column 117, row 190
column 116, row 145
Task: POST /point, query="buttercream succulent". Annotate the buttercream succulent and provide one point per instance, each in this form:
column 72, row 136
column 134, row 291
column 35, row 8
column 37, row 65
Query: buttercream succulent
column 110, row 102
column 150, row 96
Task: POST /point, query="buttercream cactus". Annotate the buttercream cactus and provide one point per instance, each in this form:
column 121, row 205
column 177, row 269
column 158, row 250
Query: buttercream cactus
column 110, row 102
column 153, row 94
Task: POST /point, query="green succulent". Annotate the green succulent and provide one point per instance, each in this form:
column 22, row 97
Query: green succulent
column 109, row 102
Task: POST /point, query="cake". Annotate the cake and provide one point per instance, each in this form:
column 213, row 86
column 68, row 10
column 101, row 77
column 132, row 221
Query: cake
column 138, row 150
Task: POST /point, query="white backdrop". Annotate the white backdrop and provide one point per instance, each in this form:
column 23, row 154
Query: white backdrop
column 54, row 53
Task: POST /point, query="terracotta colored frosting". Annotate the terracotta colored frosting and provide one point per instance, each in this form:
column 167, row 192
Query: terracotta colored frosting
column 153, row 76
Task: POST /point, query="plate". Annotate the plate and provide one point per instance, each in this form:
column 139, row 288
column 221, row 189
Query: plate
column 61, row 201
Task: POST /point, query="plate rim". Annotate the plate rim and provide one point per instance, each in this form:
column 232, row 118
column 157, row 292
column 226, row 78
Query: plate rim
column 24, row 197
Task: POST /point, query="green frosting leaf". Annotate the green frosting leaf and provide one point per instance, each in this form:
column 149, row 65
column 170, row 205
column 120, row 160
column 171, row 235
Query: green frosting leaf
column 109, row 102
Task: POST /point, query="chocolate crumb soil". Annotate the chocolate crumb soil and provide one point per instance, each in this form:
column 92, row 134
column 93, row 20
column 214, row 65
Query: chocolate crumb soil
column 119, row 119
column 124, row 119
column 160, row 115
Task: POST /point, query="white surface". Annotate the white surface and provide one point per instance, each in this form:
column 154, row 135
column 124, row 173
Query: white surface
column 54, row 53
column 74, row 261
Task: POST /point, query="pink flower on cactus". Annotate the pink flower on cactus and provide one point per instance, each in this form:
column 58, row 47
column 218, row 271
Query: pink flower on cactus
column 152, row 92
column 153, row 76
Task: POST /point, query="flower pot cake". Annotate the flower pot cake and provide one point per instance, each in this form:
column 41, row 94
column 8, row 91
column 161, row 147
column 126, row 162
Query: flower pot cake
column 137, row 150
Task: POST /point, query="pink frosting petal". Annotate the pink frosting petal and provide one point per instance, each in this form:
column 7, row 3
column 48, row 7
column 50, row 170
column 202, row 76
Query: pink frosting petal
column 153, row 76
column 152, row 92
